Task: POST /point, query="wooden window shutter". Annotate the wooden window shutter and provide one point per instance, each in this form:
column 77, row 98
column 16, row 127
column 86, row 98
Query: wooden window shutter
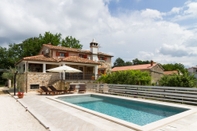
column 57, row 54
column 85, row 56
column 67, row 54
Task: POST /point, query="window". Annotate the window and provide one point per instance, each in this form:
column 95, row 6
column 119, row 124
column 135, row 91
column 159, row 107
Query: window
column 62, row 54
column 34, row 86
column 102, row 58
column 83, row 55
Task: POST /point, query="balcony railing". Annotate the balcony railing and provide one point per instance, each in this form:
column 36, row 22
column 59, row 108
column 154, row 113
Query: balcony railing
column 78, row 76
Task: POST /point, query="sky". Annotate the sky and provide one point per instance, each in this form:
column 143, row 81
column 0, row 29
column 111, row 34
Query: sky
column 164, row 31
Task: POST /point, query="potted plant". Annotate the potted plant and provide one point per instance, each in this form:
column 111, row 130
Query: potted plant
column 20, row 94
column 93, row 77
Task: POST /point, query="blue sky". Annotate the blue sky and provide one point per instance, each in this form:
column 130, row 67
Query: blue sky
column 160, row 30
column 161, row 5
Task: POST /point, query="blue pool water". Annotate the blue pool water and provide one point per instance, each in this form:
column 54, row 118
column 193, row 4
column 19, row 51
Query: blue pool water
column 140, row 113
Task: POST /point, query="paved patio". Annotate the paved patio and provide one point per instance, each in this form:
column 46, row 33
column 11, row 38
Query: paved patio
column 55, row 116
column 14, row 117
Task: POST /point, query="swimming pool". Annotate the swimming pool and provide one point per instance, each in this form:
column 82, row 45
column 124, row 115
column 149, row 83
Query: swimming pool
column 138, row 112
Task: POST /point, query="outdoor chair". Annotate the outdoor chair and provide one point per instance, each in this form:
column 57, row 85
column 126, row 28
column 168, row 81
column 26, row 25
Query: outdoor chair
column 71, row 89
column 45, row 89
column 82, row 88
column 52, row 88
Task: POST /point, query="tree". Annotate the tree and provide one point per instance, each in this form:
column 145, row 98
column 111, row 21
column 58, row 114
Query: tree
column 69, row 41
column 128, row 63
column 138, row 62
column 178, row 81
column 177, row 66
column 32, row 46
column 4, row 58
column 54, row 39
column 9, row 75
column 132, row 77
column 119, row 62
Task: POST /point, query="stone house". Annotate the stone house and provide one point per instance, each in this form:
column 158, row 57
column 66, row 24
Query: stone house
column 193, row 71
column 33, row 69
column 155, row 70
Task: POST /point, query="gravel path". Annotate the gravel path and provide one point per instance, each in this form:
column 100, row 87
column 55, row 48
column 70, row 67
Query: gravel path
column 14, row 117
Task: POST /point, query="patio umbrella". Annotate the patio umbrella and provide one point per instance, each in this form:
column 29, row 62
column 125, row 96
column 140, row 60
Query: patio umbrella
column 64, row 69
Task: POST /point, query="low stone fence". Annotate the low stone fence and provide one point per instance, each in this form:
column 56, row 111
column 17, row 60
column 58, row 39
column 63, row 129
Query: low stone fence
column 172, row 94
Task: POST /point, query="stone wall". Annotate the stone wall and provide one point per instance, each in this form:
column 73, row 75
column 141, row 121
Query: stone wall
column 24, row 80
column 156, row 74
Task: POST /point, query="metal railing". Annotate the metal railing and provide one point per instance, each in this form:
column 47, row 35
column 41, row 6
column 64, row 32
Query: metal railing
column 172, row 94
column 78, row 76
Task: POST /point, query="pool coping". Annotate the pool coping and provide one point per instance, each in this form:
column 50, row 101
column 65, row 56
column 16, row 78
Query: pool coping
column 147, row 127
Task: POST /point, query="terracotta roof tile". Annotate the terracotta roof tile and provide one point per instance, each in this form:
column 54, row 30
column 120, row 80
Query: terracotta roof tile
column 101, row 53
column 40, row 58
column 71, row 49
column 134, row 67
column 66, row 48
column 170, row 72
column 77, row 59
column 74, row 59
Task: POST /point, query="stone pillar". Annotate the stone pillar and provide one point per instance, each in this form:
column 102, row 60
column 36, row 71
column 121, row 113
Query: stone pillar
column 44, row 68
column 96, row 71
column 63, row 74
column 9, row 84
column 26, row 66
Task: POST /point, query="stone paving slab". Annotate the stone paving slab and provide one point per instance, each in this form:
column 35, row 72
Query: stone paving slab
column 14, row 117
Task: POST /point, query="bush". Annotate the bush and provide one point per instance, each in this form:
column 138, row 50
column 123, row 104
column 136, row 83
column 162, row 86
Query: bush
column 132, row 77
column 178, row 81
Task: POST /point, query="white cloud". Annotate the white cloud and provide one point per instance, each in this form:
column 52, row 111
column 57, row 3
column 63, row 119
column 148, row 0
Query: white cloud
column 175, row 10
column 149, row 13
column 191, row 11
column 188, row 11
column 173, row 50
column 141, row 34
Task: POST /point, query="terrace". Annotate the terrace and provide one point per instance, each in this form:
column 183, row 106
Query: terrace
column 63, row 116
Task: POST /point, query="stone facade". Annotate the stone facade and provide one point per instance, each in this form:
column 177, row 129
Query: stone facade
column 25, row 80
column 156, row 73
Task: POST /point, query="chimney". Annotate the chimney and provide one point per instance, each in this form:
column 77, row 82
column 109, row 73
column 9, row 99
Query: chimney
column 151, row 63
column 94, row 50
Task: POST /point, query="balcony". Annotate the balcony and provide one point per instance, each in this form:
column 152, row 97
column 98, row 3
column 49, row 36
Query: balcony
column 78, row 76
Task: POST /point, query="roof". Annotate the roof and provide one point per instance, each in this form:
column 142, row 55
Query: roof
column 74, row 59
column 61, row 48
column 65, row 48
column 40, row 58
column 193, row 67
column 100, row 53
column 170, row 72
column 77, row 59
column 134, row 67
